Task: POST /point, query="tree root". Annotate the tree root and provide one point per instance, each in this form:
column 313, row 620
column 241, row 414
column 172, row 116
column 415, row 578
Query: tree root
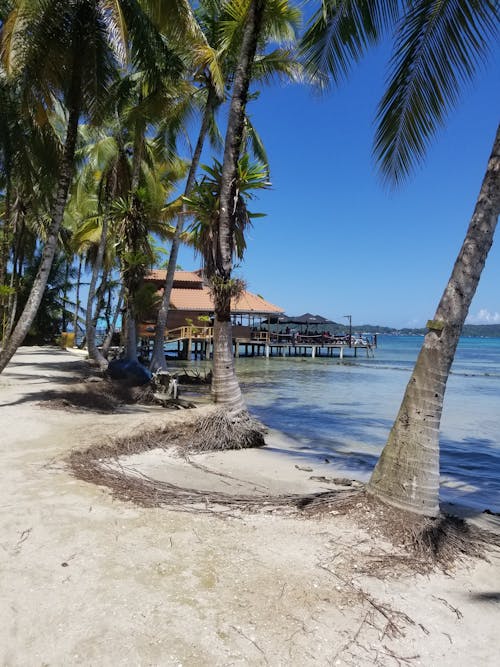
column 221, row 431
column 421, row 543
column 413, row 544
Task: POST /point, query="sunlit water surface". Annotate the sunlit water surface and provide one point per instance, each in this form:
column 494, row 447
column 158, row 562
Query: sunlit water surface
column 343, row 410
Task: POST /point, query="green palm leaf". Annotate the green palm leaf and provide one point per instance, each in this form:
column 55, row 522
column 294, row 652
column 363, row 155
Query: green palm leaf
column 439, row 46
column 278, row 64
column 341, row 32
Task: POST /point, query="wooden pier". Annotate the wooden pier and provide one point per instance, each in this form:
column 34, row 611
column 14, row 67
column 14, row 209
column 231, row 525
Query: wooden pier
column 313, row 350
column 197, row 342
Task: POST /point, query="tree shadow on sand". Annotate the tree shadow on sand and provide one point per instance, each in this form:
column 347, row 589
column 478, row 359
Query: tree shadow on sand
column 466, row 465
column 102, row 397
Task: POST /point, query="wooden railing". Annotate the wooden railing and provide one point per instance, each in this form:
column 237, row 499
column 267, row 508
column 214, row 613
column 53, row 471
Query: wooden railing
column 195, row 333
column 262, row 336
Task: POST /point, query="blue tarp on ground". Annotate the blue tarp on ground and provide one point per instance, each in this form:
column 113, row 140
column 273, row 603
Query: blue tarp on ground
column 132, row 371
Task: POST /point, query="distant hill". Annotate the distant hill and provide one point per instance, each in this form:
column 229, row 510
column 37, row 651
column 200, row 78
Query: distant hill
column 469, row 330
column 482, row 330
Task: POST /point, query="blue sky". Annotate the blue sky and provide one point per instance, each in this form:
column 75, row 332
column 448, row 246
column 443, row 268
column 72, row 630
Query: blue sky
column 335, row 241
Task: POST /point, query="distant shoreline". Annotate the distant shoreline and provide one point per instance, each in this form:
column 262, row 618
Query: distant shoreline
column 469, row 331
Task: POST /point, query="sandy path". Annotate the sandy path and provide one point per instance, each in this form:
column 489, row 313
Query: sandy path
column 88, row 580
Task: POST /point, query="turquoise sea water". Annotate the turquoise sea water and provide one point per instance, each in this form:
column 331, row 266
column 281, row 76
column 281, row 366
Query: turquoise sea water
column 343, row 410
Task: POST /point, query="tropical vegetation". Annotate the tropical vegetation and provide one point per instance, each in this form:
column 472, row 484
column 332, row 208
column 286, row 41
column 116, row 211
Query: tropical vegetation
column 98, row 95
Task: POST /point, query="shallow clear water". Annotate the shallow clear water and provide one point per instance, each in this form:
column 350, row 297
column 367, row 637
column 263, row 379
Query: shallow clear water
column 343, row 410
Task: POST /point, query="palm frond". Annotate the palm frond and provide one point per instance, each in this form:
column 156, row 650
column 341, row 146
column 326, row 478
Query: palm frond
column 281, row 22
column 204, row 204
column 177, row 21
column 117, row 26
column 340, row 33
column 439, row 46
column 10, row 43
column 254, row 143
column 278, row 64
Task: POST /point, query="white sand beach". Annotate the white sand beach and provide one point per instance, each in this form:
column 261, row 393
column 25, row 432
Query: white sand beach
column 86, row 579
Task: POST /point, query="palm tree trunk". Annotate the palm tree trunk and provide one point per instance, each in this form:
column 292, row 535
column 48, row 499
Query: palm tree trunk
column 109, row 336
column 131, row 333
column 90, row 326
column 100, row 294
column 130, row 314
column 407, row 473
column 65, row 294
column 158, row 356
column 65, row 176
column 5, row 233
column 232, row 149
column 12, row 303
column 225, row 387
column 77, row 299
column 137, row 157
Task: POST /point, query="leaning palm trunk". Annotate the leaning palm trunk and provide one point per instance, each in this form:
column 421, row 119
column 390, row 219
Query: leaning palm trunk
column 158, row 356
column 65, row 176
column 407, row 473
column 90, row 322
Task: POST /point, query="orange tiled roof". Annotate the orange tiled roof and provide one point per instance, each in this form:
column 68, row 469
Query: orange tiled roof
column 200, row 299
column 198, row 296
column 191, row 299
column 179, row 276
column 249, row 302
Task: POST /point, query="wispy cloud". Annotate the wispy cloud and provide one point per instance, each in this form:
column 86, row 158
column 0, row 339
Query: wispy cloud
column 484, row 316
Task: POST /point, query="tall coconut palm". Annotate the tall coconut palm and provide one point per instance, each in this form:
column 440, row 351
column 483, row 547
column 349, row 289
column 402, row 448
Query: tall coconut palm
column 55, row 306
column 28, row 159
column 221, row 23
column 108, row 162
column 67, row 47
column 150, row 99
column 438, row 47
column 225, row 387
column 70, row 49
column 104, row 175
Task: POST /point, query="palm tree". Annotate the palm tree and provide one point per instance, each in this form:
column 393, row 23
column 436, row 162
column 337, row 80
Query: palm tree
column 225, row 388
column 55, row 307
column 28, row 159
column 70, row 48
column 221, row 24
column 204, row 204
column 82, row 204
column 438, row 46
column 104, row 175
